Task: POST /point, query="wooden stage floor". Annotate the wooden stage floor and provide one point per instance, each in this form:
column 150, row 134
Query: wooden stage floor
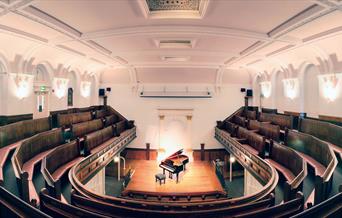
column 199, row 177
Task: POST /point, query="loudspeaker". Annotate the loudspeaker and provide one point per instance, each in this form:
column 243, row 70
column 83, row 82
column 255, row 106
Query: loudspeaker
column 242, row 90
column 249, row 93
column 102, row 92
column 108, row 89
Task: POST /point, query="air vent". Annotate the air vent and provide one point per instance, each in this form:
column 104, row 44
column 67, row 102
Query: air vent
column 175, row 43
column 175, row 58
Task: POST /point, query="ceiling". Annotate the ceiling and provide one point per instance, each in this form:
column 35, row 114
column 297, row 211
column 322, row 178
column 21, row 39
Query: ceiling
column 125, row 34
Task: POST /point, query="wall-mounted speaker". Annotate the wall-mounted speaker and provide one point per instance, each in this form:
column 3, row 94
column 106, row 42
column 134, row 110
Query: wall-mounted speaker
column 249, row 93
column 108, row 89
column 102, row 92
column 242, row 90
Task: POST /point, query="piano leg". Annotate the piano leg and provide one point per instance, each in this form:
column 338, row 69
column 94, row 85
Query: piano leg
column 163, row 171
column 177, row 178
column 170, row 175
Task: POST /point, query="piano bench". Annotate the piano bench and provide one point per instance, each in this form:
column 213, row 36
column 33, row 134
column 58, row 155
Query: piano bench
column 161, row 177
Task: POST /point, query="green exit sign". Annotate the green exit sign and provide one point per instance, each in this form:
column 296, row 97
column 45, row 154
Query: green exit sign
column 42, row 88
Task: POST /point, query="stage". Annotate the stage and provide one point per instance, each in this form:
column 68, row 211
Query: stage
column 199, row 177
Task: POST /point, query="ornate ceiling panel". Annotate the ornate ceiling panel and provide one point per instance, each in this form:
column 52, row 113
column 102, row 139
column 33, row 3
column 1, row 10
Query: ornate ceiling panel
column 166, row 5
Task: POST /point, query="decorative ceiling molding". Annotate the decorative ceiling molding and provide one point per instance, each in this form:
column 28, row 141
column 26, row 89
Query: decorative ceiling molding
column 100, row 47
column 332, row 4
column 189, row 52
column 219, row 77
column 52, row 20
column 279, row 50
column 306, row 16
column 175, row 58
column 174, row 9
column 22, row 34
column 190, row 30
column 175, row 65
column 73, row 51
column 310, row 14
column 10, row 6
column 175, row 43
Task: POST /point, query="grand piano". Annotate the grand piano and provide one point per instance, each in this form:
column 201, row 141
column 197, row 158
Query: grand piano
column 175, row 163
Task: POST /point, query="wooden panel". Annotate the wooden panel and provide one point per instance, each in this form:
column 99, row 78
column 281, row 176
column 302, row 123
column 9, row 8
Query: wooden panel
column 140, row 154
column 210, row 154
column 330, row 118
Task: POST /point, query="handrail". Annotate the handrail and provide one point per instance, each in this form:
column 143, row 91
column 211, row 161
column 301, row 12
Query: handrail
column 236, row 112
column 324, row 209
column 235, row 148
column 18, row 206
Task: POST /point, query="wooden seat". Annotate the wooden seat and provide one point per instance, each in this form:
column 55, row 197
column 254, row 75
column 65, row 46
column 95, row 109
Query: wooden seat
column 4, row 152
column 336, row 149
column 319, row 168
column 289, row 176
column 61, row 170
column 29, row 165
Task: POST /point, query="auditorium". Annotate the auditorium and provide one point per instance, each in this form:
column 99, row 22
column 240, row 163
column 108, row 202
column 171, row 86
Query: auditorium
column 170, row 108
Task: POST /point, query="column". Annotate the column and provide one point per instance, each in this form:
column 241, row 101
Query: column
column 161, row 129
column 188, row 145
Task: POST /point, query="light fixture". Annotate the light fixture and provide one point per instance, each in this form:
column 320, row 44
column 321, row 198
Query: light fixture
column 116, row 159
column 60, row 86
column 329, row 86
column 291, row 87
column 266, row 89
column 232, row 159
column 22, row 82
column 85, row 88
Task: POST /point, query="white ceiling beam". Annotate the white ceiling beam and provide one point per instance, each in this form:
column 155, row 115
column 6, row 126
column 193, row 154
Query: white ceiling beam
column 191, row 52
column 328, row 4
column 312, row 13
column 168, row 30
column 10, row 6
column 175, row 65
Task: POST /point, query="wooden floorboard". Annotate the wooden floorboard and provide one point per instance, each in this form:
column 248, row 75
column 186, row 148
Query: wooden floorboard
column 198, row 177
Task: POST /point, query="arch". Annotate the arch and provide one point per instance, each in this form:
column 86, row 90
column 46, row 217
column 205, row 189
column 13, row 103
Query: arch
column 256, row 89
column 302, row 76
column 43, row 74
column 309, row 88
column 73, row 85
column 279, row 89
column 4, row 64
column 95, row 87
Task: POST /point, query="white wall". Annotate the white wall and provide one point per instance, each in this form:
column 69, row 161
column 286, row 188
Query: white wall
column 310, row 94
column 205, row 112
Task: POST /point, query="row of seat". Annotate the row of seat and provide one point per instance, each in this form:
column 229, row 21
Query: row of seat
column 179, row 197
column 307, row 146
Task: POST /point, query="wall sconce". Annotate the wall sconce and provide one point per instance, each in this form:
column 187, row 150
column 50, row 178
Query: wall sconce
column 266, row 89
column 22, row 83
column 291, row 87
column 329, row 86
column 60, row 86
column 85, row 88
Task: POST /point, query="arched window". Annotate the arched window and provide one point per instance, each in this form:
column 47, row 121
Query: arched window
column 70, row 97
column 2, row 68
